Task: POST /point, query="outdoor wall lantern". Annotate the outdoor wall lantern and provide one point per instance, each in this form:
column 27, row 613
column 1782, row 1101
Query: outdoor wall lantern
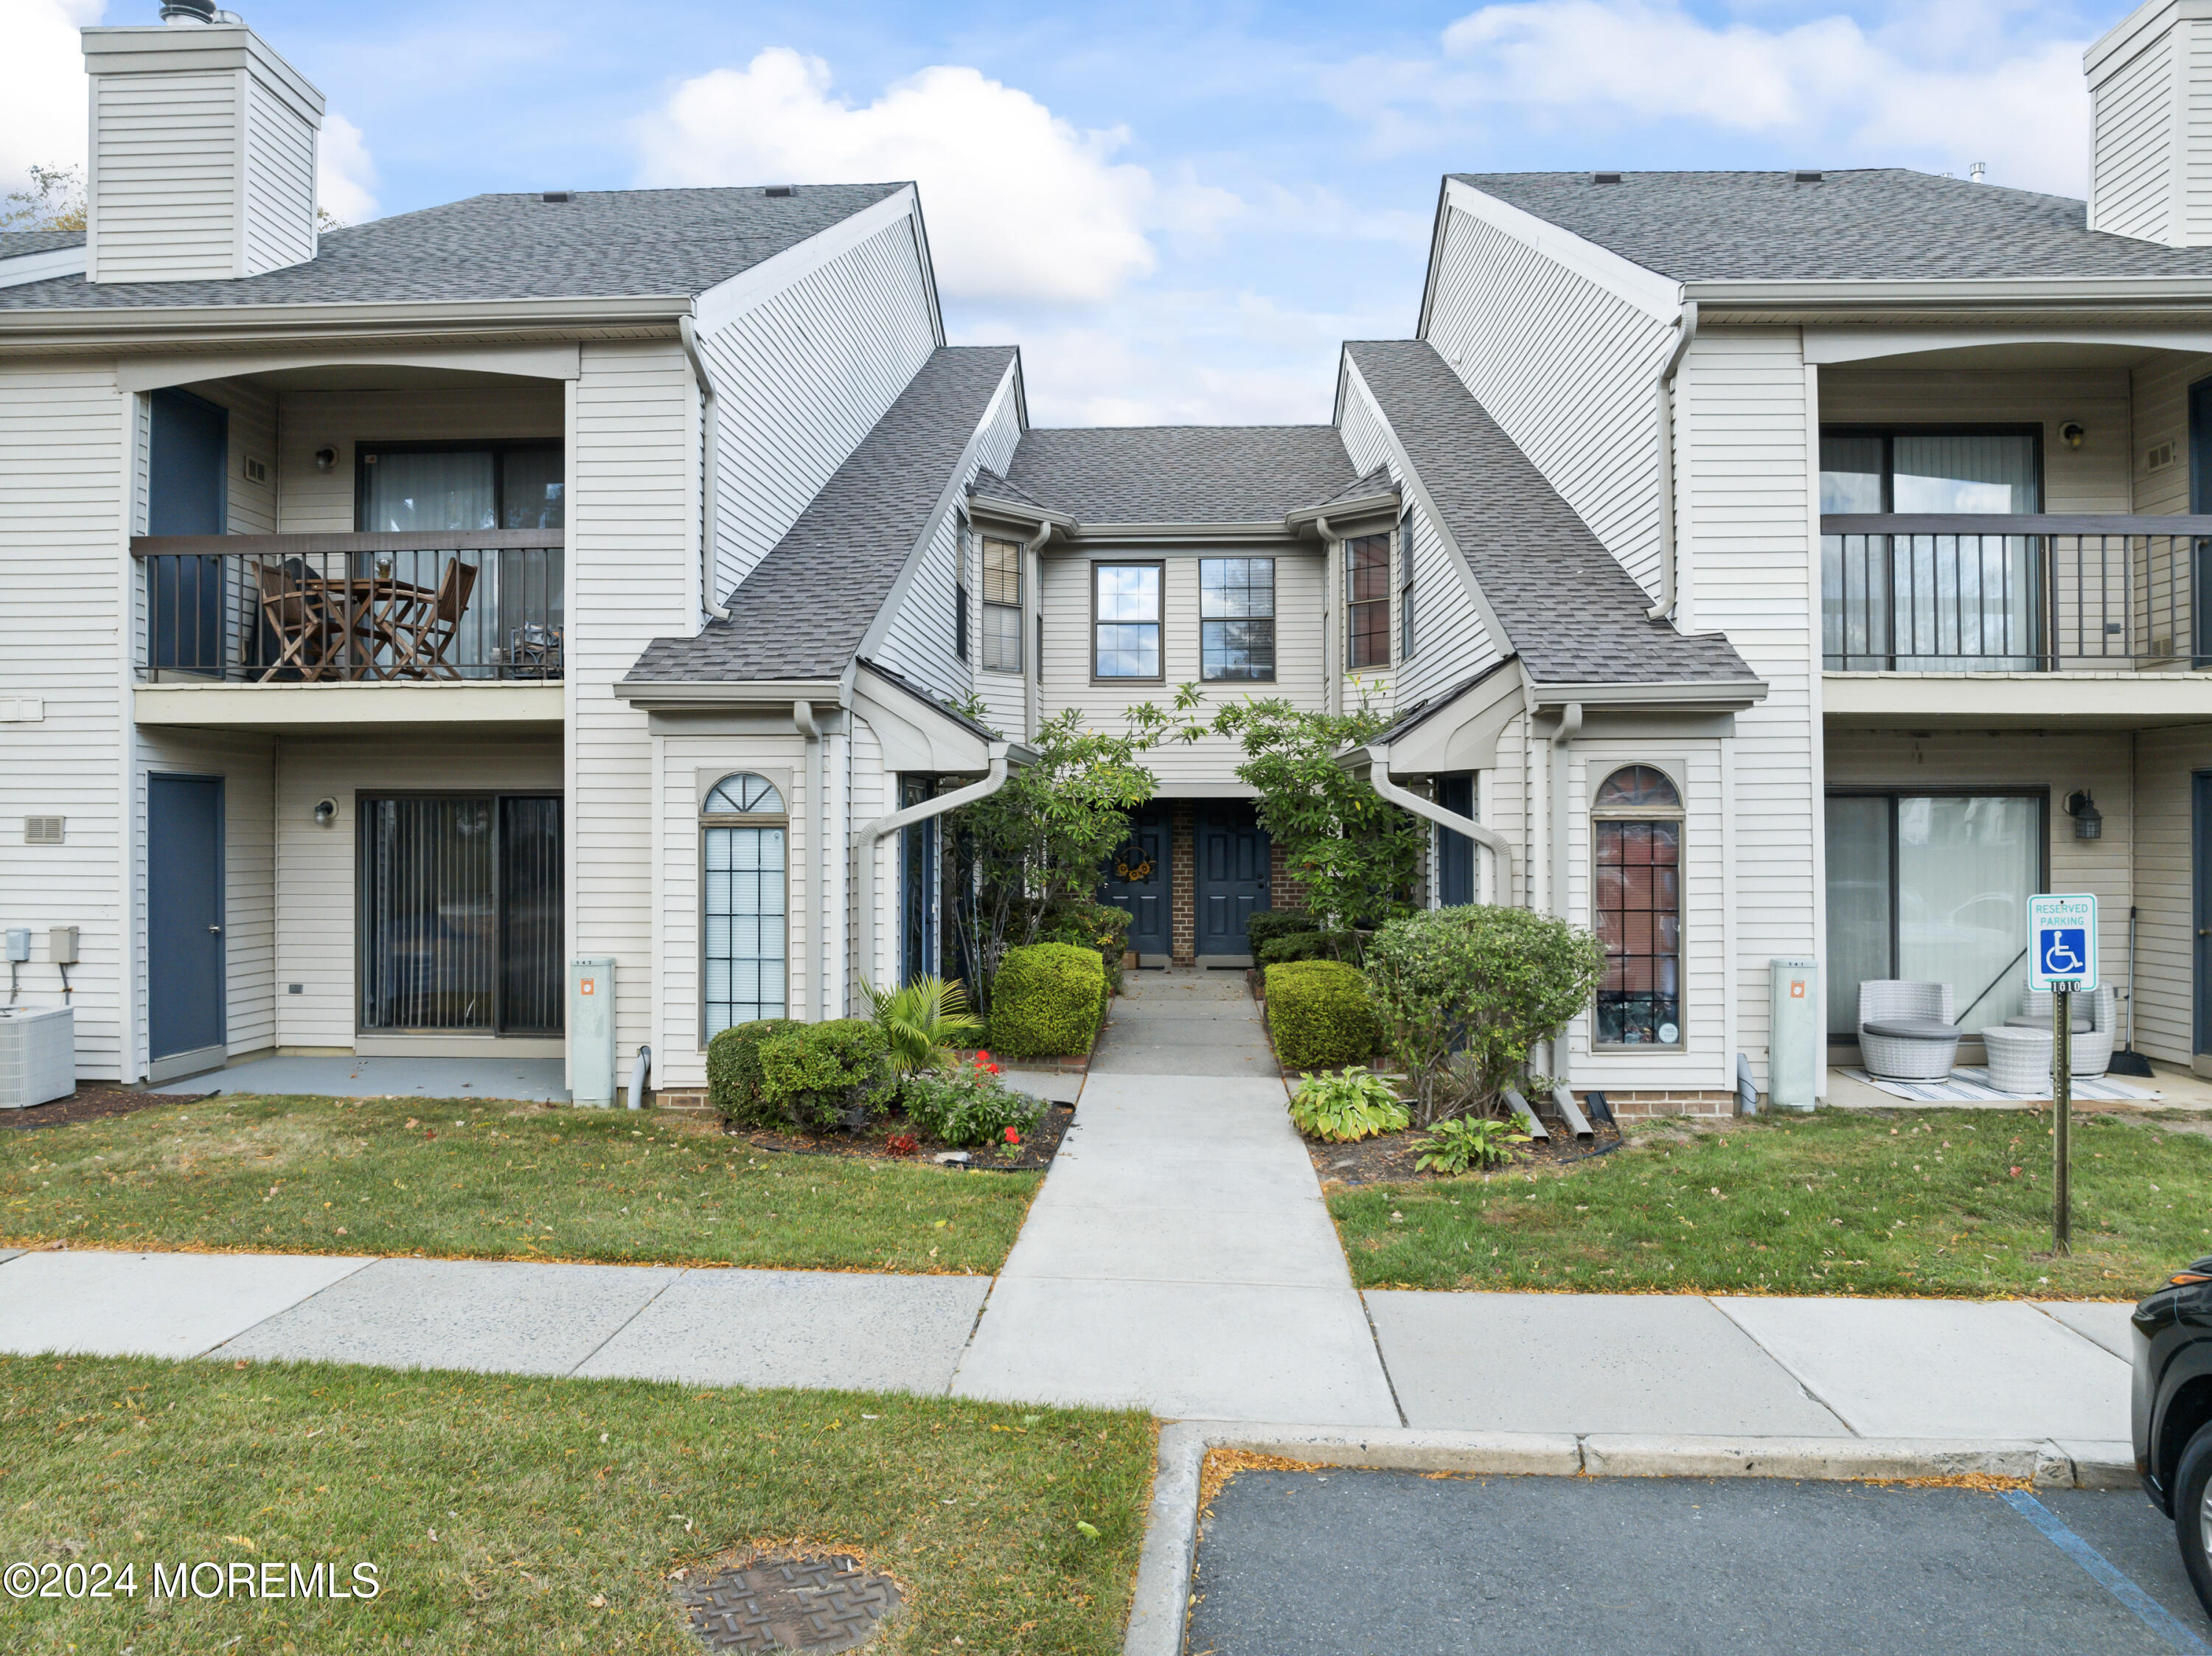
column 2072, row 432
column 2088, row 820
column 325, row 458
column 326, row 812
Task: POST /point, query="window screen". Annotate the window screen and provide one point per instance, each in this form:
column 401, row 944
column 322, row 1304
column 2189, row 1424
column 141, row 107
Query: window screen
column 1237, row 618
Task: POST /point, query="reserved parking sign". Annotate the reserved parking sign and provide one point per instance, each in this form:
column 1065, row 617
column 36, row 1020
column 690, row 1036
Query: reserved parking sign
column 2061, row 942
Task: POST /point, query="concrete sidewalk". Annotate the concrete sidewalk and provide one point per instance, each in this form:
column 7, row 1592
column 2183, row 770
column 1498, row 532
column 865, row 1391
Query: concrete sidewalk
column 533, row 1080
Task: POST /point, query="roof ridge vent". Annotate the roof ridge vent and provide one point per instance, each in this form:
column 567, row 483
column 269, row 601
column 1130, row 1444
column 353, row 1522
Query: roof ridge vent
column 1806, row 175
column 556, row 198
column 1605, row 178
column 780, row 190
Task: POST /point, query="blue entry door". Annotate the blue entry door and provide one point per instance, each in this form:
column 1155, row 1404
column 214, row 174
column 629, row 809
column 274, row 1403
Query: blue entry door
column 1233, row 855
column 1455, row 852
column 184, row 916
column 187, row 454
column 1136, row 878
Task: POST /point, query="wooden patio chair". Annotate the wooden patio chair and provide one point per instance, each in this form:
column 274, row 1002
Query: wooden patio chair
column 295, row 608
column 420, row 633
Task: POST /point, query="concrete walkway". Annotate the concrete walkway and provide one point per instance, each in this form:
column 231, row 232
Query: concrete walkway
column 535, row 1080
column 1179, row 1257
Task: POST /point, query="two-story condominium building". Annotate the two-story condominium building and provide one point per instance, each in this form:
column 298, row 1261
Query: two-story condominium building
column 392, row 616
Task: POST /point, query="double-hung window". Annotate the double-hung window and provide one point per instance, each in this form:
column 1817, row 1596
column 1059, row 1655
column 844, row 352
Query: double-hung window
column 1636, row 830
column 743, row 902
column 1406, row 589
column 1125, row 613
column 1237, row 618
column 1367, row 601
column 1002, row 606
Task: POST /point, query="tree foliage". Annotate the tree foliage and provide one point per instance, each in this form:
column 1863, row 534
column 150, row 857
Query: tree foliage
column 53, row 201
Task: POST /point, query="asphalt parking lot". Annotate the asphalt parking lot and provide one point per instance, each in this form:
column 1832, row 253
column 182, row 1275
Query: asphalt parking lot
column 1366, row 1563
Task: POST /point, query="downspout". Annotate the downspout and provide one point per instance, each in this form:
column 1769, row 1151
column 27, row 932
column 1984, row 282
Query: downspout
column 802, row 716
column 1033, row 592
column 1685, row 327
column 710, row 503
column 1331, row 660
column 866, row 841
column 1570, row 725
column 1379, row 776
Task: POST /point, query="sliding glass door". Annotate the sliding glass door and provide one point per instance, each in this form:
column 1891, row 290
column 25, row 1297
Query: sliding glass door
column 459, row 900
column 1933, row 888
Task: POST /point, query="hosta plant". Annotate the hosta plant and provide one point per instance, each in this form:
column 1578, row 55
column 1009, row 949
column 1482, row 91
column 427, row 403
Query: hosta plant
column 1349, row 1105
column 1466, row 1142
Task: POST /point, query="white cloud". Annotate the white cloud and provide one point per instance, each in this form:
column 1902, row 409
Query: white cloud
column 1938, row 88
column 1021, row 205
column 42, row 106
column 345, row 177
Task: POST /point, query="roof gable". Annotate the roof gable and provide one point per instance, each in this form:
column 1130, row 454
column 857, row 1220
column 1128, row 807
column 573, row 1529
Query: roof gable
column 1180, row 474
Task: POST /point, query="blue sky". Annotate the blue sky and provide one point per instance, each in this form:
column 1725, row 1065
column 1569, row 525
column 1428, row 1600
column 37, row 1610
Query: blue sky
column 1178, row 212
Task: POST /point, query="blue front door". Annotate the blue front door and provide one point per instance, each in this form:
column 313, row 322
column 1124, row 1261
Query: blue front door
column 184, row 916
column 1135, row 878
column 1233, row 857
column 187, row 455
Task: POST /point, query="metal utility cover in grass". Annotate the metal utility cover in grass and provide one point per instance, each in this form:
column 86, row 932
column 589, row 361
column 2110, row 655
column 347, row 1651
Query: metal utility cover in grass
column 823, row 1603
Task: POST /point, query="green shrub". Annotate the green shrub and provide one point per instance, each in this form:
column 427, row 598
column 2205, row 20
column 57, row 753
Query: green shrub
column 733, row 1073
column 922, row 1022
column 1268, row 924
column 828, row 1075
column 1309, row 946
column 1091, row 925
column 966, row 1105
column 1465, row 1141
column 1318, row 1013
column 1046, row 1000
column 1486, row 983
column 1346, row 1107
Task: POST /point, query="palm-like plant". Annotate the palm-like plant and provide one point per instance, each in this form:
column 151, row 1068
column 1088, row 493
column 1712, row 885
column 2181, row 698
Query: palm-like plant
column 921, row 1020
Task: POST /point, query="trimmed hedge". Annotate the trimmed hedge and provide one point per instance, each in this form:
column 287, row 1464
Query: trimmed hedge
column 828, row 1075
column 1309, row 946
column 1091, row 925
column 1046, row 1000
column 733, row 1073
column 1267, row 925
column 1320, row 1016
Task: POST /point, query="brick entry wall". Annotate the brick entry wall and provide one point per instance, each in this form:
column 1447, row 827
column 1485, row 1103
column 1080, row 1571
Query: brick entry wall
column 1283, row 892
column 1182, row 882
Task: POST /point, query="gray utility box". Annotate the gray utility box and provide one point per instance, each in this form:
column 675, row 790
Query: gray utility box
column 592, row 1031
column 1796, row 1025
column 38, row 1055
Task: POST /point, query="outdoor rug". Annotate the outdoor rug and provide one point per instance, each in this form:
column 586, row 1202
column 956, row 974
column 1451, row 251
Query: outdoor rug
column 1971, row 1086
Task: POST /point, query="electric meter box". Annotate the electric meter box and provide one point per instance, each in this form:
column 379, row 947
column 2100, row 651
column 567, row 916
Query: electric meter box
column 1796, row 1020
column 592, row 1031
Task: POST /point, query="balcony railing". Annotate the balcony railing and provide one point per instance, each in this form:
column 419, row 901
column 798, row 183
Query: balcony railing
column 305, row 608
column 2045, row 594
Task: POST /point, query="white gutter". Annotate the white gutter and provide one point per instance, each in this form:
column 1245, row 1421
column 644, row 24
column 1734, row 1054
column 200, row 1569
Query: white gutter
column 871, row 835
column 1378, row 776
column 710, row 504
column 802, row 716
column 1686, row 329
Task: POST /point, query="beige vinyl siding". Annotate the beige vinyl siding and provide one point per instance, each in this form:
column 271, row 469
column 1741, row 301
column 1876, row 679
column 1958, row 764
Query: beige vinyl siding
column 872, row 796
column 631, row 514
column 2160, row 415
column 921, row 639
column 62, row 518
column 1567, row 368
column 1750, row 547
column 801, row 378
column 165, row 176
column 2166, row 936
column 322, row 502
column 1208, row 766
column 315, row 875
column 280, row 181
column 2101, row 761
column 2132, row 145
column 1005, row 696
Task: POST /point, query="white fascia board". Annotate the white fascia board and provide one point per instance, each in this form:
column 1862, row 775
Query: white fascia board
column 1100, row 534
column 40, row 267
column 1947, row 298
column 135, row 327
column 136, row 373
column 2137, row 30
column 679, row 695
column 1846, row 344
column 955, row 486
column 725, row 301
column 1718, row 694
column 1658, row 296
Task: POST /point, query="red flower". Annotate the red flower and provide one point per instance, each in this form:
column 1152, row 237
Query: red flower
column 982, row 1057
column 993, row 1068
column 903, row 1144
column 1013, row 1136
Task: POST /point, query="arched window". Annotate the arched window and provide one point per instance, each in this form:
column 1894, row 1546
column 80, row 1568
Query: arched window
column 744, row 935
column 1636, row 900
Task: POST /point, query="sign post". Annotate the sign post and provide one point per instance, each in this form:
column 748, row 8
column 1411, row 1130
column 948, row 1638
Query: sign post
column 2061, row 961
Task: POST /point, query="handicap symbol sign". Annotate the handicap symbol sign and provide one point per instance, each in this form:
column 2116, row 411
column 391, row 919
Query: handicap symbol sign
column 2061, row 942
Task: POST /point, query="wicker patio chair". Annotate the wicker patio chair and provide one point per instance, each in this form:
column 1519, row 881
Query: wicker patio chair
column 1906, row 1032
column 2095, row 1023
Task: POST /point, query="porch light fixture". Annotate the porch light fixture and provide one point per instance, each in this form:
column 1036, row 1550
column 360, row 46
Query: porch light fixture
column 2072, row 432
column 325, row 457
column 326, row 812
column 2088, row 820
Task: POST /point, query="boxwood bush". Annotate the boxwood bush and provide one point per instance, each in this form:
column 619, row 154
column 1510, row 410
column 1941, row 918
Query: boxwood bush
column 828, row 1075
column 1046, row 1000
column 1319, row 1014
column 1091, row 925
column 733, row 1073
column 1269, row 923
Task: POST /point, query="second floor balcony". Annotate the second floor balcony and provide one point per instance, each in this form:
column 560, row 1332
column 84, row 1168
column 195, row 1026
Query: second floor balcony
column 448, row 607
column 1984, row 592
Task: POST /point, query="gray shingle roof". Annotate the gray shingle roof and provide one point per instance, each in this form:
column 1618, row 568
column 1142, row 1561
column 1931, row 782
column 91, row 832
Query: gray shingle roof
column 1377, row 481
column 806, row 607
column 1878, row 224
column 599, row 243
column 1569, row 609
column 991, row 484
column 1180, row 474
column 15, row 243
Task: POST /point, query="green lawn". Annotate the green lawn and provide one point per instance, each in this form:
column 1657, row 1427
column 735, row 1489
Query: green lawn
column 1839, row 1202
column 489, row 1179
column 511, row 1515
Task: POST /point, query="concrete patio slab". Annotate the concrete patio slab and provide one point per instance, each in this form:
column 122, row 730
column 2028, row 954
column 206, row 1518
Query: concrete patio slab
column 1184, row 1350
column 1054, row 1086
column 1584, row 1363
column 1942, row 1367
column 153, row 1305
column 1285, row 1246
column 533, row 1080
column 8, row 1253
column 845, row 1330
column 2106, row 1322
column 488, row 1315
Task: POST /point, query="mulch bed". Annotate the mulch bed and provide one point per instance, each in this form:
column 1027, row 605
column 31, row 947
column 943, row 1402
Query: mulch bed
column 1388, row 1158
column 1039, row 1145
column 92, row 1101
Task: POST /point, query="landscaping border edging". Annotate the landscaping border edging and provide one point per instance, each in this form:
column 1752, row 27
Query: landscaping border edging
column 1160, row 1602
